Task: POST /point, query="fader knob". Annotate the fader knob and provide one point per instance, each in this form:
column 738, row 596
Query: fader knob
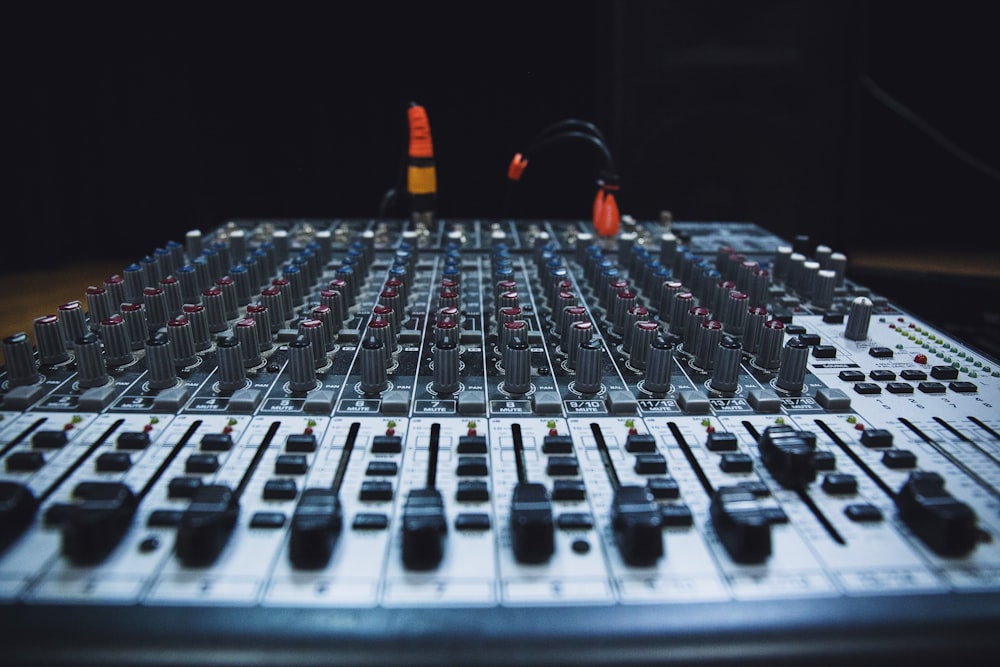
column 637, row 524
column 21, row 369
column 424, row 529
column 517, row 367
column 743, row 529
column 791, row 376
column 315, row 527
column 17, row 510
column 588, row 367
column 95, row 526
column 206, row 525
column 373, row 375
column 445, row 367
column 945, row 524
column 789, row 455
column 858, row 319
column 531, row 525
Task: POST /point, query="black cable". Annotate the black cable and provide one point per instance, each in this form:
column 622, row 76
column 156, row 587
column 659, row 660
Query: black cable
column 907, row 114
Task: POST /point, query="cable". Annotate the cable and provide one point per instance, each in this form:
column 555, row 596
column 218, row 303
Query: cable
column 421, row 175
column 606, row 216
column 907, row 114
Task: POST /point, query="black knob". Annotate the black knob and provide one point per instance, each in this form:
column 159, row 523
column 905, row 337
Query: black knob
column 943, row 523
column 17, row 510
column 373, row 376
column 517, row 367
column 93, row 527
column 588, row 367
column 725, row 374
column 659, row 367
column 791, row 376
column 446, row 367
column 21, row 368
column 90, row 367
column 232, row 374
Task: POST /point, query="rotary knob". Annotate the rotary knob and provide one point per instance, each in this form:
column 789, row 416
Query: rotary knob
column 859, row 318
column 643, row 335
column 791, row 376
column 517, row 366
column 373, row 376
column 232, row 375
column 21, row 369
column 706, row 344
column 198, row 320
column 90, row 368
column 725, row 374
column 579, row 333
column 117, row 347
column 48, row 337
column 588, row 367
column 313, row 331
column 446, row 367
column 769, row 352
column 160, row 362
column 182, row 341
column 246, row 332
column 659, row 366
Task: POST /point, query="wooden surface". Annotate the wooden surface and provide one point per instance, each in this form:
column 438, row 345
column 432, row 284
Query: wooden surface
column 32, row 294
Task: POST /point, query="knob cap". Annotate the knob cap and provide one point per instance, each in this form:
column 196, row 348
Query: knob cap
column 769, row 352
column 531, row 524
column 232, row 375
column 789, row 455
column 20, row 360
column 373, row 376
column 792, row 375
column 637, row 524
column 725, row 374
column 517, row 367
column 858, row 319
column 90, row 367
column 160, row 362
column 659, row 367
column 446, row 367
column 588, row 367
column 48, row 337
column 182, row 341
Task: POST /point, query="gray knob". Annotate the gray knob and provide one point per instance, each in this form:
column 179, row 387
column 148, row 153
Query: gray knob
column 330, row 327
column 271, row 298
column 824, row 286
column 74, row 322
column 637, row 313
column 301, row 367
column 695, row 318
column 706, row 344
column 754, row 331
column 313, row 331
column 771, row 339
column 735, row 309
column 172, row 292
column 446, row 367
column 135, row 320
column 445, row 327
column 588, row 367
column 215, row 309
column 182, row 340
column 246, row 332
column 570, row 314
column 373, row 376
column 858, row 319
column 48, row 338
column 679, row 308
column 380, row 327
column 243, row 280
column 579, row 333
column 232, row 375
column 643, row 334
column 659, row 367
column 792, row 375
column 160, row 362
column 98, row 306
column 197, row 317
column 117, row 347
column 20, row 360
column 668, row 248
column 156, row 307
column 90, row 368
column 262, row 319
column 390, row 298
column 230, row 302
column 668, row 290
column 508, row 332
column 725, row 374
column 334, row 300
column 517, row 366
column 623, row 301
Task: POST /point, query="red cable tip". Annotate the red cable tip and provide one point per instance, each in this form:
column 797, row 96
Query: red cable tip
column 606, row 215
column 517, row 165
column 421, row 145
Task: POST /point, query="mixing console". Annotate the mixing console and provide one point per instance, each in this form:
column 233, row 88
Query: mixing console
column 517, row 441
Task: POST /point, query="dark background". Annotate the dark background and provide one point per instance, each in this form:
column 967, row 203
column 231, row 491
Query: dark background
column 128, row 126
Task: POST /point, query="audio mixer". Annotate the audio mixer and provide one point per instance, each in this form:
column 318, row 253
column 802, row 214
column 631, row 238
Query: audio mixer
column 364, row 441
